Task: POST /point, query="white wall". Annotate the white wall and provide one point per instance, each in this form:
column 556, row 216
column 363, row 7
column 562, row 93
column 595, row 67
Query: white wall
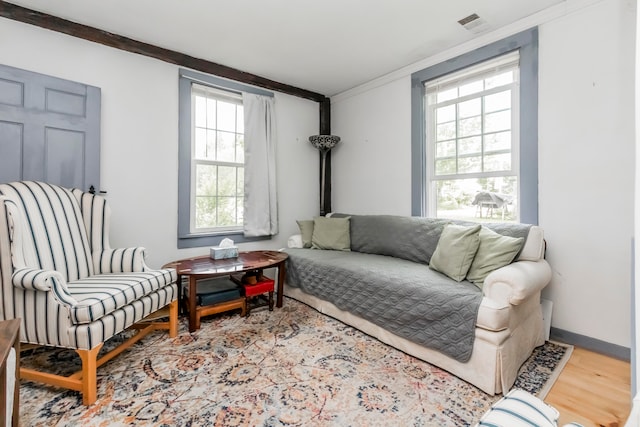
column 139, row 166
column 586, row 157
column 371, row 168
column 586, row 130
column 634, row 416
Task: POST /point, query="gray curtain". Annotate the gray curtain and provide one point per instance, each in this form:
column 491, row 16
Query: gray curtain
column 260, row 203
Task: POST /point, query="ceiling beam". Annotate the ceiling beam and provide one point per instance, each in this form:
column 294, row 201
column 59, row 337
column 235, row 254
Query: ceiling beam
column 54, row 23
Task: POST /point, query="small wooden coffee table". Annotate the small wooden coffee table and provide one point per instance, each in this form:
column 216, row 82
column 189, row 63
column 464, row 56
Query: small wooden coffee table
column 205, row 266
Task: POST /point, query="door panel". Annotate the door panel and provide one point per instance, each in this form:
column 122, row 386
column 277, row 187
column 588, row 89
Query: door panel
column 49, row 129
column 64, row 157
column 11, row 92
column 11, row 149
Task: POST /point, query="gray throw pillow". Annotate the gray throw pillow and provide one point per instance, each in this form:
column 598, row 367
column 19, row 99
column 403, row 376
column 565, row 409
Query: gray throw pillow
column 306, row 230
column 495, row 251
column 455, row 251
column 331, row 233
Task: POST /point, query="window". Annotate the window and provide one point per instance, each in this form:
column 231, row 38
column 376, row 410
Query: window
column 472, row 141
column 475, row 134
column 217, row 173
column 211, row 160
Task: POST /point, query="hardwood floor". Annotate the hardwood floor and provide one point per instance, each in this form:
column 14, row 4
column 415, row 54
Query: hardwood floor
column 593, row 390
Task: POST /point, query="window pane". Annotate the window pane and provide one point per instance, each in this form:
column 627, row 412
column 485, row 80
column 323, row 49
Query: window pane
column 205, row 212
column 227, row 211
column 445, row 167
column 206, row 180
column 473, row 87
column 446, row 95
column 469, row 127
column 200, row 111
column 446, row 148
column 446, row 131
column 200, row 143
column 499, row 80
column 497, row 121
column 226, row 116
column 497, row 162
column 211, row 113
column 464, row 199
column 470, row 145
column 446, row 114
column 226, row 147
column 227, row 181
column 470, row 164
column 472, row 107
column 210, row 151
column 497, row 101
column 497, row 141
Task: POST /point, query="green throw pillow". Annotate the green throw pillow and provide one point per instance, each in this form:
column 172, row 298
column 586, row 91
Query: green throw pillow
column 495, row 251
column 331, row 233
column 306, row 230
column 455, row 250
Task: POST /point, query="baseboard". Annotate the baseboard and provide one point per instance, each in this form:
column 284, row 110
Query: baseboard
column 592, row 344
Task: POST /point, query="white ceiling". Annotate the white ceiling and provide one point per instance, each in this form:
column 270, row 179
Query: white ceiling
column 326, row 46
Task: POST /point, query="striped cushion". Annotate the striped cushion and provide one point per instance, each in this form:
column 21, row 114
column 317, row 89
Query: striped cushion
column 125, row 260
column 88, row 335
column 102, row 294
column 520, row 409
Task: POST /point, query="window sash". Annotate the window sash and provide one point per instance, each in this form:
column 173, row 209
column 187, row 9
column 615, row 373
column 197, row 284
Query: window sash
column 228, row 97
column 481, row 71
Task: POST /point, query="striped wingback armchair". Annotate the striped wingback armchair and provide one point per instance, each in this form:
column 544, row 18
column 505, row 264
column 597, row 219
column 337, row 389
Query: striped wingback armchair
column 70, row 289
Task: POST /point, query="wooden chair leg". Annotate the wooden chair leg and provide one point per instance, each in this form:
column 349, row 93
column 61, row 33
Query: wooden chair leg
column 89, row 374
column 173, row 319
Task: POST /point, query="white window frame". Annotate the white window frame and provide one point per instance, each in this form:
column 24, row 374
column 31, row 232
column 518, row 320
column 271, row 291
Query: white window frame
column 494, row 66
column 222, row 95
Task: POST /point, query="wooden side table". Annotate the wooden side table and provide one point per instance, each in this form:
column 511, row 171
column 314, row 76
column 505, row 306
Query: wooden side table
column 204, row 267
column 9, row 339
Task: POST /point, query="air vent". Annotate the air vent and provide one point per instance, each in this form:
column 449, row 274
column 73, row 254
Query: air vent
column 474, row 23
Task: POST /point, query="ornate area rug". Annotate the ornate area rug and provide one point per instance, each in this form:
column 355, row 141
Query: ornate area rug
column 292, row 366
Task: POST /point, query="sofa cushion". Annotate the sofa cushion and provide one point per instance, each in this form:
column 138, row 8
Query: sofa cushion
column 306, row 231
column 456, row 249
column 495, row 251
column 331, row 233
column 411, row 238
column 102, row 294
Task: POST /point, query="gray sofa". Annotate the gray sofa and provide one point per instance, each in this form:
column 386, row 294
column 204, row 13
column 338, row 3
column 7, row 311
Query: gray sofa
column 382, row 285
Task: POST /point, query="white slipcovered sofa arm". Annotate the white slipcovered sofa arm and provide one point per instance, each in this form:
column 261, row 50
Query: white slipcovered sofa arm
column 516, row 282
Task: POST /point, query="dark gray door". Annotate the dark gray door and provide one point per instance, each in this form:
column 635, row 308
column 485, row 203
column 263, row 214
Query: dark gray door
column 49, row 129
